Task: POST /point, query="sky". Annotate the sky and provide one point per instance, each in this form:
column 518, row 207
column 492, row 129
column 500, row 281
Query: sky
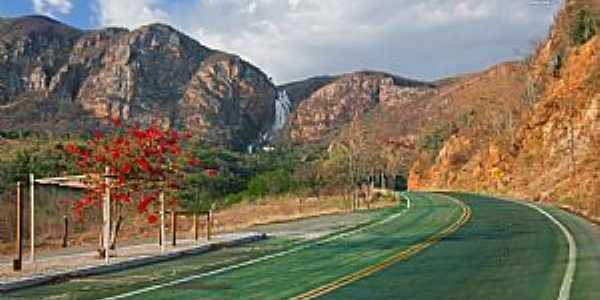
column 294, row 39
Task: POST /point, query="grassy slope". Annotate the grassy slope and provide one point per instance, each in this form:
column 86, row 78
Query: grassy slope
column 279, row 278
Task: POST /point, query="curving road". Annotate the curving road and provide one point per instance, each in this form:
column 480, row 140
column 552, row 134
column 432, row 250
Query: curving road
column 445, row 246
column 507, row 251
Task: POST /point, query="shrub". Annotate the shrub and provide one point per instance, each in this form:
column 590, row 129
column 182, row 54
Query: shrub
column 433, row 141
column 583, row 27
column 273, row 182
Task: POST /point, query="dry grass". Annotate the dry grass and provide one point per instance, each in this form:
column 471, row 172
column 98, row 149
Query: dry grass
column 238, row 217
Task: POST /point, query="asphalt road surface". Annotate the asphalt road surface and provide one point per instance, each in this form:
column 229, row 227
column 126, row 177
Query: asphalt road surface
column 444, row 246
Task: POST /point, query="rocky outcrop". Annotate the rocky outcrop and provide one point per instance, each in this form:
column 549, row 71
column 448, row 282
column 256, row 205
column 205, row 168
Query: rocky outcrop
column 229, row 98
column 464, row 118
column 303, row 89
column 154, row 73
column 350, row 96
column 550, row 152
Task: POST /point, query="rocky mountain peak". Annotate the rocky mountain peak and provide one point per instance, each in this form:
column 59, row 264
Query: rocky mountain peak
column 151, row 73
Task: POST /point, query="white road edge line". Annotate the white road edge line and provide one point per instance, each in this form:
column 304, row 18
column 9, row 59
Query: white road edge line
column 259, row 259
column 565, row 288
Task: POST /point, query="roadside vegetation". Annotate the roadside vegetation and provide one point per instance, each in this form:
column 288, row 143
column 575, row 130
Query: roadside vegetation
column 273, row 184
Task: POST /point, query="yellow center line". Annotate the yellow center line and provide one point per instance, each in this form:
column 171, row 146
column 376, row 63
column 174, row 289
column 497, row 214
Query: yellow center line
column 403, row 255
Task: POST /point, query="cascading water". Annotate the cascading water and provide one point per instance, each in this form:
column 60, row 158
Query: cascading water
column 283, row 107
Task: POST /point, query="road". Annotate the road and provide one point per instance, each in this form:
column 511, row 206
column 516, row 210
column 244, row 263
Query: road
column 454, row 246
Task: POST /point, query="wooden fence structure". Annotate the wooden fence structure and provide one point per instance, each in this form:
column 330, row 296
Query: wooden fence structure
column 77, row 182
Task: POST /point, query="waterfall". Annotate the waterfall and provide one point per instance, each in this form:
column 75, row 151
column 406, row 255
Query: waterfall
column 283, row 107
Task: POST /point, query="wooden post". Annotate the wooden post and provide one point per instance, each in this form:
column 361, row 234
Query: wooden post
column 32, row 216
column 106, row 216
column 159, row 237
column 209, row 225
column 18, row 262
column 195, row 216
column 162, row 220
column 65, row 241
column 174, row 228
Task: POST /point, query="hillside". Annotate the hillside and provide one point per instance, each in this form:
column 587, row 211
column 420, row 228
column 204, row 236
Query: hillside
column 303, row 89
column 331, row 103
column 551, row 151
column 415, row 128
column 58, row 79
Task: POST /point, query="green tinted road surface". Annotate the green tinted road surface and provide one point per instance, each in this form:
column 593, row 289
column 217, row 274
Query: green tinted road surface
column 281, row 277
column 505, row 251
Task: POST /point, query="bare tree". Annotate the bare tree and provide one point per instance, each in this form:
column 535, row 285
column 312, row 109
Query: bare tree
column 350, row 159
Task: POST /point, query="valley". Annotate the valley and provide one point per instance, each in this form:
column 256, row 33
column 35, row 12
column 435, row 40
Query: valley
column 365, row 184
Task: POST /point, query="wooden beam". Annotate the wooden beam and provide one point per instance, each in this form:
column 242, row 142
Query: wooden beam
column 65, row 240
column 106, row 217
column 209, row 225
column 159, row 237
column 162, row 220
column 186, row 212
column 174, row 228
column 18, row 262
column 32, row 216
column 195, row 216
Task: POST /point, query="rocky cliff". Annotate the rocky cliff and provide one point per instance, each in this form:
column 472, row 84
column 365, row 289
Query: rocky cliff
column 551, row 152
column 335, row 101
column 52, row 74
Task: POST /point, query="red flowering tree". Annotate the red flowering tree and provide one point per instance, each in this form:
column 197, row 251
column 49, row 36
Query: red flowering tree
column 141, row 163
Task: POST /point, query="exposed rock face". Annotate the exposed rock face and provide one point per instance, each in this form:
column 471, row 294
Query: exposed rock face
column 467, row 116
column 154, row 73
column 303, row 89
column 229, row 98
column 348, row 97
column 552, row 151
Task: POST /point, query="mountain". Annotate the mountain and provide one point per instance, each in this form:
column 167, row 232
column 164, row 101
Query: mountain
column 403, row 117
column 324, row 104
column 548, row 147
column 60, row 79
column 302, row 89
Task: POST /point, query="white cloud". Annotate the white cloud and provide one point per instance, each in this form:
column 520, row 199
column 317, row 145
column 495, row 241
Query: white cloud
column 48, row 7
column 297, row 38
column 131, row 13
column 294, row 4
column 250, row 8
